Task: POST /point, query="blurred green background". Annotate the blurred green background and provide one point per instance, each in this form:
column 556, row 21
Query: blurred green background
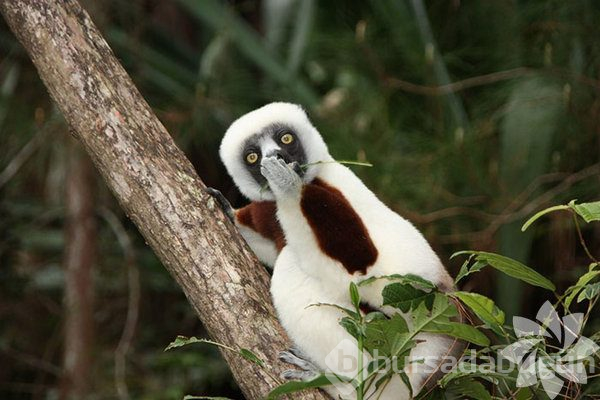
column 475, row 114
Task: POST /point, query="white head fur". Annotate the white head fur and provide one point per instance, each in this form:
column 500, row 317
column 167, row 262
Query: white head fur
column 248, row 125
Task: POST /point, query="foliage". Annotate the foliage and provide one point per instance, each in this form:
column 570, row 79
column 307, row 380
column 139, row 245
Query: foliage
column 420, row 307
column 245, row 353
column 427, row 310
column 474, row 114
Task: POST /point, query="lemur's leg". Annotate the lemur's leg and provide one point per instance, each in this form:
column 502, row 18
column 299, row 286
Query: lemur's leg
column 307, row 369
column 223, row 202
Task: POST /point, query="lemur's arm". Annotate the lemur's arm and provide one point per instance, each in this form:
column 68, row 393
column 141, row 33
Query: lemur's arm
column 258, row 224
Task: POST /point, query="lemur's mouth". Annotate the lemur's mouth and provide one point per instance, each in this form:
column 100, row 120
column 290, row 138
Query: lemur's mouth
column 299, row 169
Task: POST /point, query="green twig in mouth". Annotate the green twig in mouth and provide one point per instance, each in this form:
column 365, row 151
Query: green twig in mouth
column 348, row 162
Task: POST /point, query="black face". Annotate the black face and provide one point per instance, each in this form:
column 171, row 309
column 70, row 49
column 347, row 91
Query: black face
column 290, row 150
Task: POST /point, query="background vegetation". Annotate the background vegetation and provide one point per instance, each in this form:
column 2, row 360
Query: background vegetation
column 474, row 114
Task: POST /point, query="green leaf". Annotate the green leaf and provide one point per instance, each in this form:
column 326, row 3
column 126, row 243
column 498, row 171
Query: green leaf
column 512, row 268
column 401, row 347
column 459, row 331
column 415, row 280
column 250, row 356
column 383, row 334
column 355, row 296
column 589, row 292
column 406, row 381
column 485, row 309
column 418, row 281
column 468, row 388
column 189, row 397
column 581, row 282
column 296, row 386
column 591, row 389
column 588, row 211
column 184, row 341
column 405, row 296
column 383, row 380
column 441, row 308
column 470, row 369
column 352, row 326
column 375, row 315
column 539, row 214
column 181, row 341
column 439, row 321
column 465, row 270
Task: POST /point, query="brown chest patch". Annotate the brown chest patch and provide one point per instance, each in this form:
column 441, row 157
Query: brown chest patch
column 261, row 216
column 340, row 232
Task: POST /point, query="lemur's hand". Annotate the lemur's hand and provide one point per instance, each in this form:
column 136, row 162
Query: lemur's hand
column 307, row 369
column 283, row 178
column 223, row 202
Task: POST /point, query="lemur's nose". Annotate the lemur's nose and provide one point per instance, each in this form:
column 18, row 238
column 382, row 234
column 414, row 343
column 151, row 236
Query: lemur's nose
column 278, row 154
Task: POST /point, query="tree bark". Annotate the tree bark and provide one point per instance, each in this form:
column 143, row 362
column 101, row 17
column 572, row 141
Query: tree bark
column 80, row 254
column 155, row 184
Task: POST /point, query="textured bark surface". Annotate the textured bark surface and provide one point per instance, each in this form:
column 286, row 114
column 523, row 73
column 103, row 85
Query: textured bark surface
column 80, row 254
column 154, row 183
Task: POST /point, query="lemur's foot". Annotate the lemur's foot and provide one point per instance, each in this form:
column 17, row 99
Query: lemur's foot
column 223, row 202
column 307, row 369
column 297, row 375
column 283, row 178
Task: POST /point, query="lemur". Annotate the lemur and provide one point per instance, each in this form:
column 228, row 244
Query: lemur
column 320, row 228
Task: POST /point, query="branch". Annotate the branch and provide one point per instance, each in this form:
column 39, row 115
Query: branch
column 22, row 156
column 79, row 259
column 133, row 304
column 519, row 208
column 154, row 183
column 482, row 80
column 459, row 85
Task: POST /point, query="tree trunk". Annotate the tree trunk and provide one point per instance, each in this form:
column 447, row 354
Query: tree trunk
column 80, row 252
column 155, row 184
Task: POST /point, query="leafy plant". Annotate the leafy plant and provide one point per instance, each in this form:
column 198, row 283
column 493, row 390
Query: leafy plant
column 421, row 308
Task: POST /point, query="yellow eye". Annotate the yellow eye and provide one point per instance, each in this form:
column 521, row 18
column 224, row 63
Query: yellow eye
column 251, row 158
column 287, row 138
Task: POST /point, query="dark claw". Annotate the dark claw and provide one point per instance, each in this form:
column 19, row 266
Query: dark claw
column 298, row 169
column 223, row 202
column 295, row 352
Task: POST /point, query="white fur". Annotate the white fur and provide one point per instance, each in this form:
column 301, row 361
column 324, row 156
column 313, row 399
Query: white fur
column 265, row 249
column 402, row 250
column 315, row 330
column 303, row 274
column 232, row 146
